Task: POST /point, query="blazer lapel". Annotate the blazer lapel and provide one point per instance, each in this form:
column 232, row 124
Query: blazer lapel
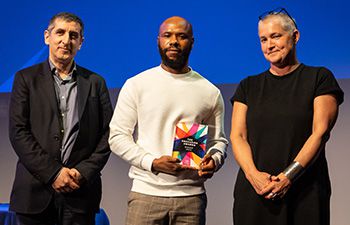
column 48, row 87
column 83, row 85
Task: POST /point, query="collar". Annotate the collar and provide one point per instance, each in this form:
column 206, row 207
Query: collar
column 71, row 74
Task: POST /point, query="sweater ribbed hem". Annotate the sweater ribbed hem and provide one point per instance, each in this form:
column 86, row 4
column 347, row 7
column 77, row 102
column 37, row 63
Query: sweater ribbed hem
column 166, row 190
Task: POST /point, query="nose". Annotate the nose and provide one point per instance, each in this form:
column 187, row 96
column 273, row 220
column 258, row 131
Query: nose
column 173, row 40
column 270, row 43
column 65, row 38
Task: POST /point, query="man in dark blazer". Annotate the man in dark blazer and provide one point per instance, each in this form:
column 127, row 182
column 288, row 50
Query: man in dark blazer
column 59, row 116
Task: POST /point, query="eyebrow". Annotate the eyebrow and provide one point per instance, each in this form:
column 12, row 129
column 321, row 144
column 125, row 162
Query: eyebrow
column 71, row 31
column 174, row 32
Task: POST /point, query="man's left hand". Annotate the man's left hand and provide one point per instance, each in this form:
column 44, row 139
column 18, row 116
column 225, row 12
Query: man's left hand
column 75, row 174
column 207, row 167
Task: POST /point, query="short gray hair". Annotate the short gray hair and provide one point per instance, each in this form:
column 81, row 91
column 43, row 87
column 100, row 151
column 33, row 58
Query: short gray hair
column 288, row 23
column 68, row 17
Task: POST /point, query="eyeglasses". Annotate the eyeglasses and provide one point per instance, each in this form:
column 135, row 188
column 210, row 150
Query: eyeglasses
column 277, row 11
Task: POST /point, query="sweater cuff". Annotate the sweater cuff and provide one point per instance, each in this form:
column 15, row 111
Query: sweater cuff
column 218, row 158
column 147, row 161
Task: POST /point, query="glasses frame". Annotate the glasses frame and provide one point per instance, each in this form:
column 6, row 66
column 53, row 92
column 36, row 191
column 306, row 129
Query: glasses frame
column 276, row 11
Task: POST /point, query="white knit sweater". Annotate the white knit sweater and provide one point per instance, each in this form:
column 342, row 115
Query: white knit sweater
column 149, row 106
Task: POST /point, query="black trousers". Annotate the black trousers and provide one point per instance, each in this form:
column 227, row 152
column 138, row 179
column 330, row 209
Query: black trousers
column 57, row 213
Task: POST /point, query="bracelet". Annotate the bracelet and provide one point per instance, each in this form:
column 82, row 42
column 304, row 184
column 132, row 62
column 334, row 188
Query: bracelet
column 293, row 171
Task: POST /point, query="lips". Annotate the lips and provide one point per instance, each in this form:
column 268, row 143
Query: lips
column 269, row 53
column 64, row 49
column 175, row 50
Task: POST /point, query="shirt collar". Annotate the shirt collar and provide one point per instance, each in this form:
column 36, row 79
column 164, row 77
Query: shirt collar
column 71, row 74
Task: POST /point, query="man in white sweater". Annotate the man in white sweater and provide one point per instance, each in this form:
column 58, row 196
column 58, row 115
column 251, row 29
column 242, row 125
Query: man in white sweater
column 142, row 130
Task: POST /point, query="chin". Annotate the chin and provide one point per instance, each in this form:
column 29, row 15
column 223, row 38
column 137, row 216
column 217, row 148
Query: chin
column 64, row 59
column 274, row 60
column 66, row 56
column 172, row 57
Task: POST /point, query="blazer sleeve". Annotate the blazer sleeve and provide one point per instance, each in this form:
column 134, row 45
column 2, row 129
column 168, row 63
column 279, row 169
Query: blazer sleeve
column 29, row 151
column 92, row 165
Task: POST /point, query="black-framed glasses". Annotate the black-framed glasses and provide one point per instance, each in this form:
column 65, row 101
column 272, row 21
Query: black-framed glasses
column 279, row 10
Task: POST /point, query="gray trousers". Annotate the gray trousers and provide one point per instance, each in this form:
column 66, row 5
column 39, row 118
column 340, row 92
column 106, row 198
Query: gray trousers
column 154, row 210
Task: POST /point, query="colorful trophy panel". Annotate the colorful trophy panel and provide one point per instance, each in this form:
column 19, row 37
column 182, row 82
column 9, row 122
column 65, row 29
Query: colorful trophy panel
column 190, row 143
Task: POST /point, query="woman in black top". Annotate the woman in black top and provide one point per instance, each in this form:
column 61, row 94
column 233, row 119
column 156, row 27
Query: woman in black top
column 281, row 121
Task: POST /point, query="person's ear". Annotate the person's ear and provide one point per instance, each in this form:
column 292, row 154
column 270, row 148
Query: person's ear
column 46, row 37
column 81, row 43
column 296, row 36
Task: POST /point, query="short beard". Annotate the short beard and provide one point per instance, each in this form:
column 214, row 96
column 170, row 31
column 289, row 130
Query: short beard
column 179, row 63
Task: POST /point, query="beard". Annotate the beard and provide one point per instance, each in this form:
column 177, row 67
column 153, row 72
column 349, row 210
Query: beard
column 177, row 64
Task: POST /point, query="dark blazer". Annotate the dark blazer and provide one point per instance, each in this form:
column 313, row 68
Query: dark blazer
column 34, row 130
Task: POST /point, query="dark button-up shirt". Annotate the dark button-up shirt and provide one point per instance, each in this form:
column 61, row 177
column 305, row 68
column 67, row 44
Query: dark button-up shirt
column 66, row 94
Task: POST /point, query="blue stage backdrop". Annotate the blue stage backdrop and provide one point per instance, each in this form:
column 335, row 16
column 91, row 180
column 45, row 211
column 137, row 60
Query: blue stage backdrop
column 120, row 37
